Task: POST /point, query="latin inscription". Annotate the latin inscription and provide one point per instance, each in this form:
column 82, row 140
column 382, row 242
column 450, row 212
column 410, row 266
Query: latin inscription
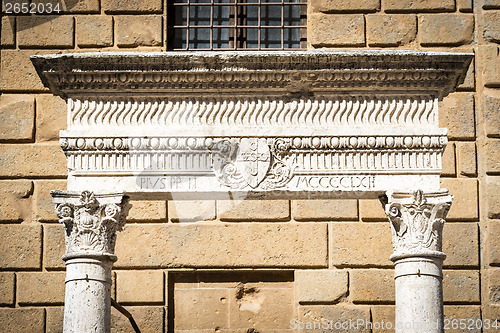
column 308, row 183
column 352, row 183
column 167, row 183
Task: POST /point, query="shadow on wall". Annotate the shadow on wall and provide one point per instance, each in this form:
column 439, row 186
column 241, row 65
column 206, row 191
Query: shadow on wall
column 45, row 11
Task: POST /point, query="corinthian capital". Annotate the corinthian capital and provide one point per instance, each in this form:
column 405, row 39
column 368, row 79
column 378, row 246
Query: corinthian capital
column 417, row 222
column 90, row 221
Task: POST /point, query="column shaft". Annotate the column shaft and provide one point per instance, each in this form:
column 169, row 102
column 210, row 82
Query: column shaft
column 419, row 295
column 91, row 222
column 416, row 222
column 88, row 296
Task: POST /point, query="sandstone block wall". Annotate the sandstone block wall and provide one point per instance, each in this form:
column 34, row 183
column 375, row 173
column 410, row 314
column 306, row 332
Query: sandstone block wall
column 234, row 266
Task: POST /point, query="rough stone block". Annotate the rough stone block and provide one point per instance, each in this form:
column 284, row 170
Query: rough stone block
column 493, row 197
column 81, row 6
column 465, row 5
column 131, row 287
column 15, row 200
column 491, row 4
column 446, row 29
column 491, row 25
column 54, row 319
column 191, row 211
column 371, row 210
column 22, row 320
column 361, row 244
column 311, row 314
column 418, row 5
column 492, row 150
column 491, row 112
column 488, row 60
column 321, row 285
column 50, row 160
column 50, row 117
column 53, row 246
column 147, row 211
column 385, row 314
column 260, row 308
column 460, row 244
column 461, row 286
column 493, row 246
column 45, row 31
column 465, row 201
column 390, row 30
column 325, row 210
column 40, row 288
column 21, row 246
column 332, row 6
column 16, row 71
column 491, row 312
column 467, row 165
column 371, row 285
column 493, row 285
column 470, row 80
column 197, row 309
column 44, row 207
column 7, row 282
column 7, row 37
column 223, row 245
column 133, row 31
column 457, row 312
column 456, row 113
column 336, row 30
column 17, row 116
column 448, row 161
column 149, row 319
column 131, row 6
column 94, row 31
column 253, row 210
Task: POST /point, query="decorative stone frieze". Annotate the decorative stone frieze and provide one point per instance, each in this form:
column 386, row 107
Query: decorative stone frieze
column 253, row 124
column 90, row 222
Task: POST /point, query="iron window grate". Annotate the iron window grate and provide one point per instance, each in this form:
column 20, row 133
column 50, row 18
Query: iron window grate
column 237, row 24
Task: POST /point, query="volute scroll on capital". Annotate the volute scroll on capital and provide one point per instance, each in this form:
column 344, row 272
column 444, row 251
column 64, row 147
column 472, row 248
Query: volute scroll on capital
column 417, row 221
column 90, row 224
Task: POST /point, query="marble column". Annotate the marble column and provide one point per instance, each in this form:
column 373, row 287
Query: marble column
column 90, row 222
column 417, row 222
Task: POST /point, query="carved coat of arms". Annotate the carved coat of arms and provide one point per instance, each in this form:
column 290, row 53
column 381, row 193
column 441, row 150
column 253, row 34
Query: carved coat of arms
column 251, row 162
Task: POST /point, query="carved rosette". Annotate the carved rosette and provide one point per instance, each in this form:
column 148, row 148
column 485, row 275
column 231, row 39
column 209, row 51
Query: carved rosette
column 90, row 226
column 417, row 221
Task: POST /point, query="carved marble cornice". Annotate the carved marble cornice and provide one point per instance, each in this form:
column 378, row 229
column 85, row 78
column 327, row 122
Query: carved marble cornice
column 90, row 222
column 417, row 223
column 291, row 71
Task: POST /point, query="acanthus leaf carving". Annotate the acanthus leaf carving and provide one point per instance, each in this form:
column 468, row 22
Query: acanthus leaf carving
column 417, row 223
column 90, row 226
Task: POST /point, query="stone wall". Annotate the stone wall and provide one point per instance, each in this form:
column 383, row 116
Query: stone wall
column 233, row 266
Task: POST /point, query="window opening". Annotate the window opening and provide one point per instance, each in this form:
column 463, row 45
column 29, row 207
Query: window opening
column 237, row 24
